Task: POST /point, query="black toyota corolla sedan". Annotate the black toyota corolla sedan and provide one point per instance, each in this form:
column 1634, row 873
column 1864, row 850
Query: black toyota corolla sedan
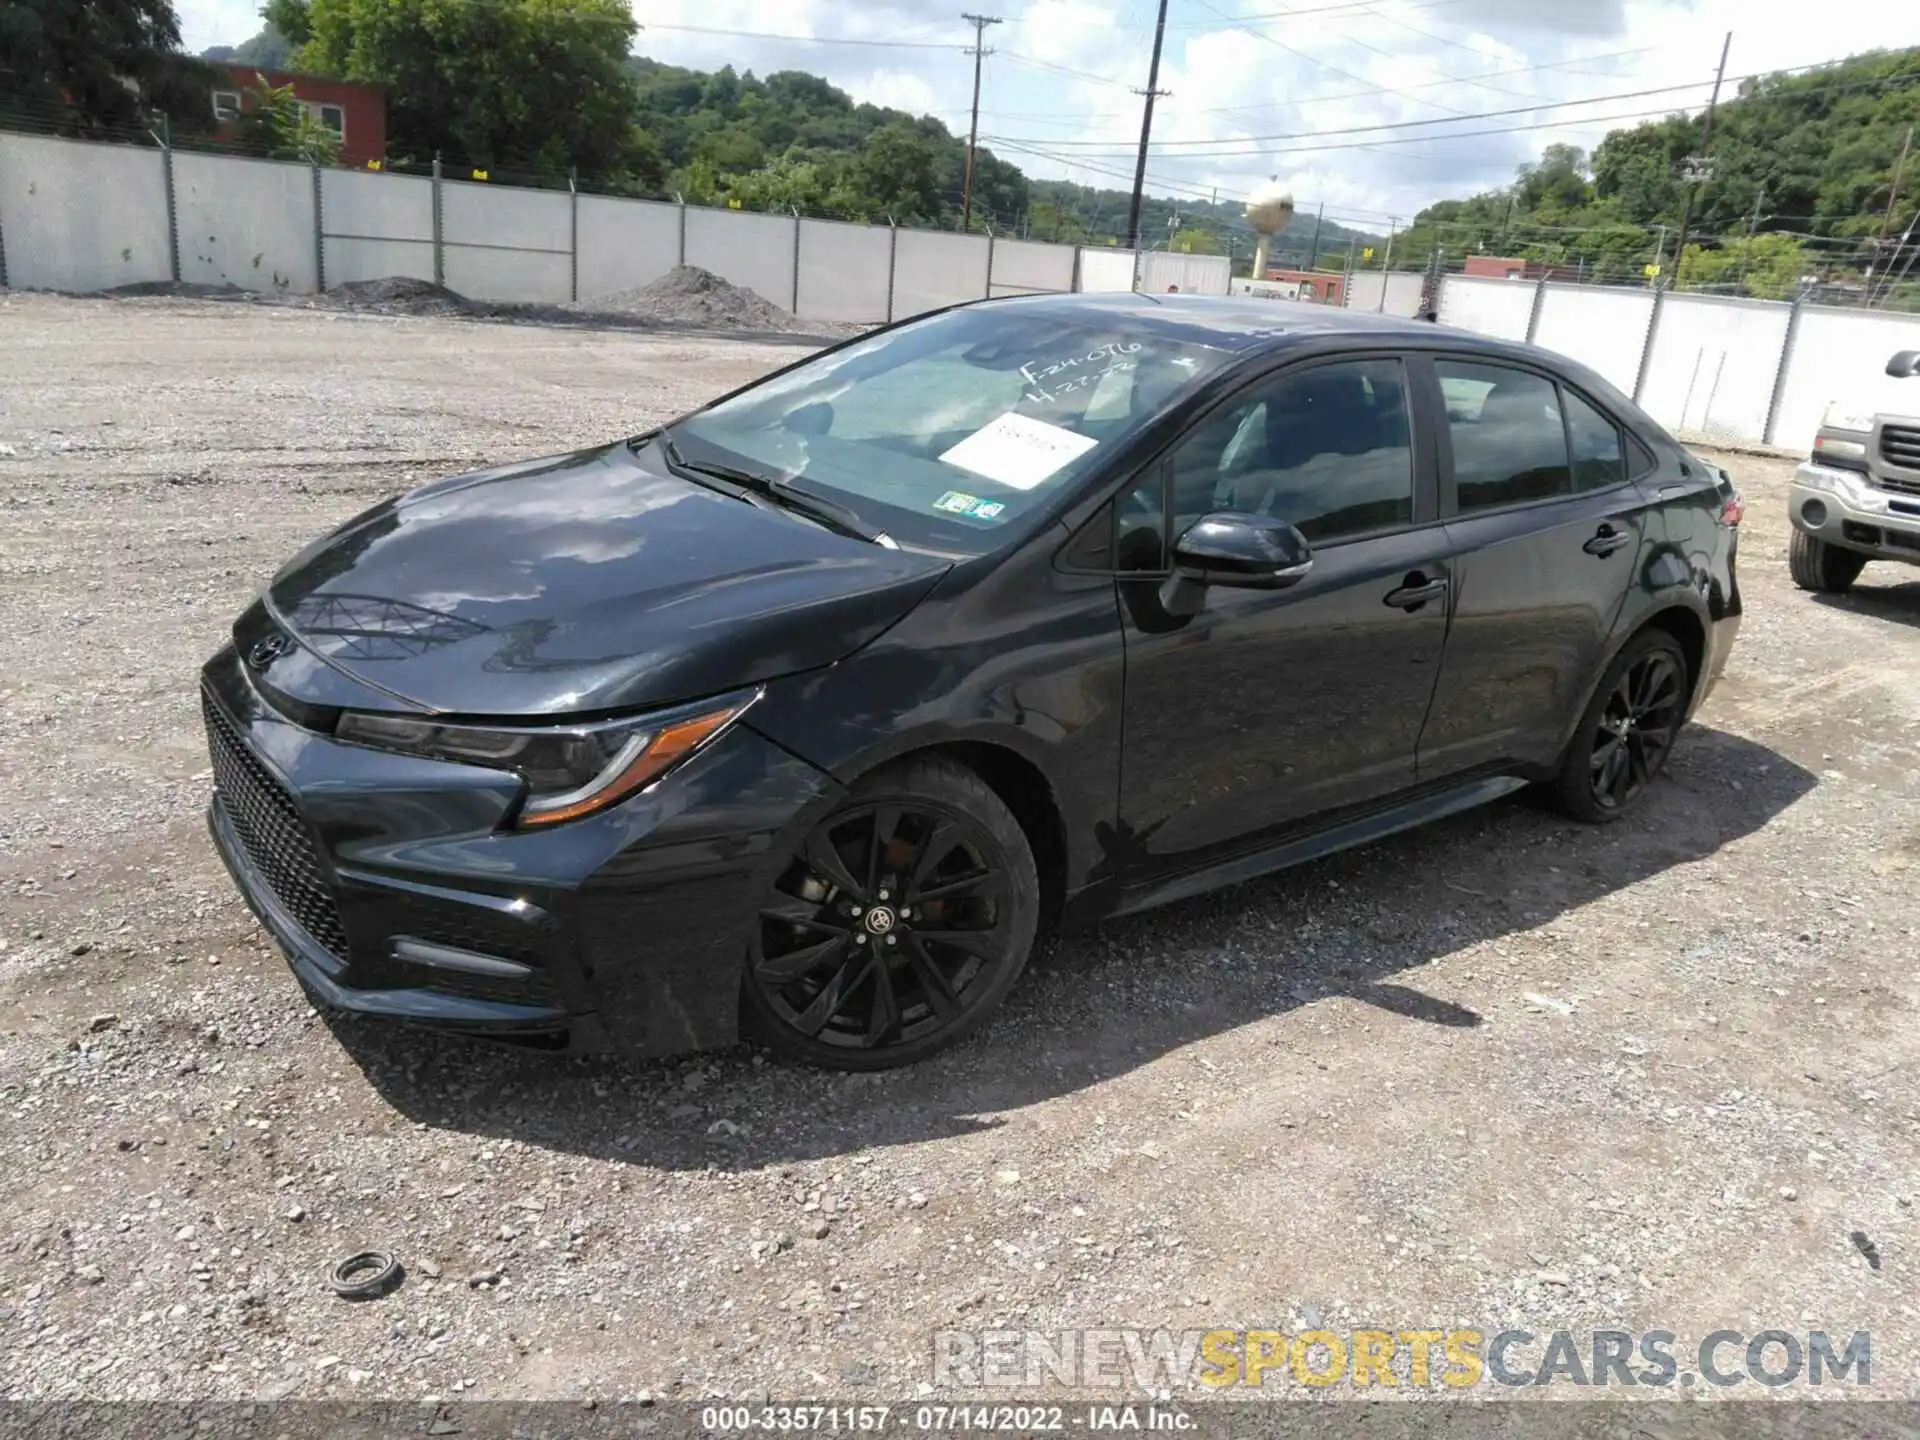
column 806, row 713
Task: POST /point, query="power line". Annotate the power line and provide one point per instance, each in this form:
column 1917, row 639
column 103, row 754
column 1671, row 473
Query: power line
column 1890, row 81
column 1401, row 89
column 1310, row 59
column 802, row 39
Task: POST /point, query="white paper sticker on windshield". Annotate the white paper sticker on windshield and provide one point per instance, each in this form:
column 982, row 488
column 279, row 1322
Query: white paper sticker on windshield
column 1018, row 451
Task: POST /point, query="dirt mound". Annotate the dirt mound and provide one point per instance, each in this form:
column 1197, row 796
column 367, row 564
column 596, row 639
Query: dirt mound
column 397, row 295
column 176, row 289
column 688, row 295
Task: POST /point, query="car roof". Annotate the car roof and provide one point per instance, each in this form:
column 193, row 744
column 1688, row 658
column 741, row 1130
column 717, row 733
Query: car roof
column 1230, row 321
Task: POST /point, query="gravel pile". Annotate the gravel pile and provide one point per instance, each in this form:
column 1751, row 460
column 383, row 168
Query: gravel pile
column 402, row 295
column 688, row 295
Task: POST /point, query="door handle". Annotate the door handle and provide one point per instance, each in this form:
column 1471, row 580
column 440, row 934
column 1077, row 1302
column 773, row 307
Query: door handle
column 1605, row 541
column 1417, row 591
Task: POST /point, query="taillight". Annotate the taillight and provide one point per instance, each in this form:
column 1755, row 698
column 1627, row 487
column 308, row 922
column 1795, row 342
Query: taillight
column 1733, row 511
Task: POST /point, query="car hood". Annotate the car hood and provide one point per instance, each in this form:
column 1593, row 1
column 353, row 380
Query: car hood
column 598, row 581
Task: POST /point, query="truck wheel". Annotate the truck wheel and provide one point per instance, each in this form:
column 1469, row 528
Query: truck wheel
column 1816, row 565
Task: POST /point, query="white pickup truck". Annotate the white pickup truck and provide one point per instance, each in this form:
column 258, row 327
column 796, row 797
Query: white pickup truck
column 1858, row 497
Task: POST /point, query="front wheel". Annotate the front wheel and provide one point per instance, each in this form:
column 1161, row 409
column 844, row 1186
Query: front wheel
column 1818, row 566
column 901, row 922
column 1627, row 732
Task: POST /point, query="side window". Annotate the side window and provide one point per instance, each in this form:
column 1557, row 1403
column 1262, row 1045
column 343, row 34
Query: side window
column 1598, row 460
column 1139, row 524
column 1509, row 445
column 1327, row 448
column 1641, row 461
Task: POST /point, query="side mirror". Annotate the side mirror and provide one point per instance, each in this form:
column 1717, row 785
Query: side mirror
column 1904, row 364
column 1249, row 551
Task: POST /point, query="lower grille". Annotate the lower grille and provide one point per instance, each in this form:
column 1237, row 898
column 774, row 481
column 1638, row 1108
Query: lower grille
column 270, row 829
column 1902, row 540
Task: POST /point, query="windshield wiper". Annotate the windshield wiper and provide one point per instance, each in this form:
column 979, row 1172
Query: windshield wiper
column 782, row 493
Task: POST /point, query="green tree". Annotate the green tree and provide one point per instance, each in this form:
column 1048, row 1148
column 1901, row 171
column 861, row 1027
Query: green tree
column 531, row 85
column 267, row 50
column 1193, row 242
column 87, row 67
column 274, row 124
column 1767, row 266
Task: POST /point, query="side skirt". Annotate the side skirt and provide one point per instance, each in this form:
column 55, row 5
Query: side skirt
column 1361, row 830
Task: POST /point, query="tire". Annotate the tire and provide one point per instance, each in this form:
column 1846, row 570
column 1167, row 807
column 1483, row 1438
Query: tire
column 1608, row 765
column 1816, row 565
column 850, row 966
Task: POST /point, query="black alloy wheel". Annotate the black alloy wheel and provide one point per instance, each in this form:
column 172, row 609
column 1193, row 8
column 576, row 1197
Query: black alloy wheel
column 1628, row 731
column 904, row 918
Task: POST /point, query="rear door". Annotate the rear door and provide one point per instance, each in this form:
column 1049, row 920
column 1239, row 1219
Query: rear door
column 1545, row 529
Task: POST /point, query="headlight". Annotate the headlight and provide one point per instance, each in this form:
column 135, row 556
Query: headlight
column 1840, row 416
column 569, row 771
column 1839, row 451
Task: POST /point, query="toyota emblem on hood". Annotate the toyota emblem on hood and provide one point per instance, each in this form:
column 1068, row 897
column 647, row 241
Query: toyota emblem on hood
column 269, row 648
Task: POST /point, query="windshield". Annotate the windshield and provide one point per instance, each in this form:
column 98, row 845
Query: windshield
column 945, row 432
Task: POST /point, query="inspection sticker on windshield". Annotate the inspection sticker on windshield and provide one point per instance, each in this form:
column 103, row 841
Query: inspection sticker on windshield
column 1018, row 451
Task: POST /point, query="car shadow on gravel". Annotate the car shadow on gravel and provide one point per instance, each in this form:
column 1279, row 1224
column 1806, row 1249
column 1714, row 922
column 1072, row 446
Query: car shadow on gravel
column 1882, row 602
column 1098, row 1003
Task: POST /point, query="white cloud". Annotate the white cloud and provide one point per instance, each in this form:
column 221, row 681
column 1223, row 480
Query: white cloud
column 1394, row 62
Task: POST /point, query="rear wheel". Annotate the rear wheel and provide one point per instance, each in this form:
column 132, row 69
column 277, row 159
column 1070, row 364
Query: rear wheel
column 1816, row 565
column 1628, row 731
column 902, row 921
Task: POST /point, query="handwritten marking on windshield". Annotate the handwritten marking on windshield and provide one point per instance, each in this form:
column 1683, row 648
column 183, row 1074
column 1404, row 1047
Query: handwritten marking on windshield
column 1038, row 372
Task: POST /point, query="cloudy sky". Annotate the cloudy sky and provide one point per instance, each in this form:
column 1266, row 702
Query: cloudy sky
column 1299, row 89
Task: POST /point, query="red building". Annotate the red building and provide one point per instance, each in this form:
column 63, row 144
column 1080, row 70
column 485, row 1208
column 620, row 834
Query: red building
column 1313, row 286
column 1497, row 267
column 356, row 113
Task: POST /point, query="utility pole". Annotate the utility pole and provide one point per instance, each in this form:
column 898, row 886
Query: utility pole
column 979, row 53
column 1905, row 236
column 1313, row 257
column 1746, row 254
column 1693, row 185
column 1894, row 198
column 1659, row 255
column 1146, row 129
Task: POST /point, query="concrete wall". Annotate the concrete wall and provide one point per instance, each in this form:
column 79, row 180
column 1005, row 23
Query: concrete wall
column 76, row 216
column 932, row 269
column 844, row 270
column 507, row 244
column 1026, row 267
column 1160, row 271
column 1836, row 351
column 755, row 251
column 1103, row 269
column 1712, row 363
column 1604, row 328
column 1402, row 292
column 625, row 243
column 1491, row 307
column 1711, row 369
column 376, row 225
column 245, row 222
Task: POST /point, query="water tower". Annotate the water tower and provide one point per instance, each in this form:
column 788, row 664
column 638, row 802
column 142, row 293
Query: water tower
column 1268, row 211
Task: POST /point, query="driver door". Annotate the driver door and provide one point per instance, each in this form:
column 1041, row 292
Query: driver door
column 1269, row 708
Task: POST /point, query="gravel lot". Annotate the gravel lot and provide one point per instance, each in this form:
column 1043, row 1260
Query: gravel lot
column 1502, row 1071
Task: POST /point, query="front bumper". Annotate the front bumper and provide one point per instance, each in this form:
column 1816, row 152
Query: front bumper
column 1854, row 515
column 394, row 891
